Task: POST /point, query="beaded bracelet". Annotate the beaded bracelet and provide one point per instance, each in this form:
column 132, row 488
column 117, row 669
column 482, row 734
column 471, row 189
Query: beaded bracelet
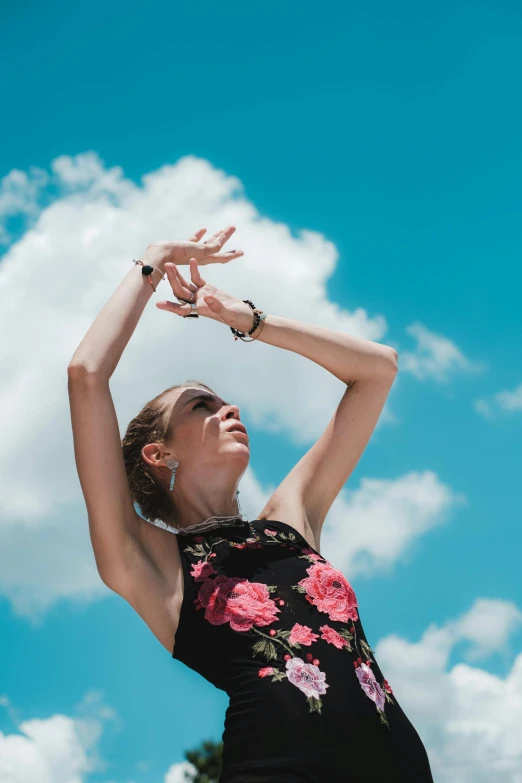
column 147, row 270
column 258, row 317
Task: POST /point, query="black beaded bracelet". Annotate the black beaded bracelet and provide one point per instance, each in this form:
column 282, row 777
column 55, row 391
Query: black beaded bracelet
column 257, row 319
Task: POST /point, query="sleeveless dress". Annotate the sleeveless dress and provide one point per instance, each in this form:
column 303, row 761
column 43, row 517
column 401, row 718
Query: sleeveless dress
column 271, row 622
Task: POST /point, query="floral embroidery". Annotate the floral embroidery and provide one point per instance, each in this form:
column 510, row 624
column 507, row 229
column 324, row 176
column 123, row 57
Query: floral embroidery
column 249, row 543
column 387, row 686
column 335, row 638
column 371, row 688
column 201, row 570
column 302, row 634
column 330, row 591
column 309, row 679
column 312, row 555
column 247, row 606
column 237, row 601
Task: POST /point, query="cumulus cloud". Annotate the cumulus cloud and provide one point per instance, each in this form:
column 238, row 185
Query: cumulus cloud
column 87, row 224
column 370, row 528
column 504, row 402
column 57, row 749
column 435, row 356
column 21, row 196
column 176, row 773
column 468, row 718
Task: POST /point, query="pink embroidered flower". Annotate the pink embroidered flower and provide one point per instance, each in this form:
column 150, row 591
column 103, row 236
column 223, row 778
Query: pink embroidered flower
column 268, row 532
column 312, row 554
column 201, row 570
column 307, row 677
column 238, row 601
column 265, row 671
column 331, row 635
column 330, row 591
column 302, row 634
column 370, row 685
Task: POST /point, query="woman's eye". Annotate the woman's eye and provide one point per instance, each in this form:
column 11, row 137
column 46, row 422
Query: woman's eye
column 200, row 403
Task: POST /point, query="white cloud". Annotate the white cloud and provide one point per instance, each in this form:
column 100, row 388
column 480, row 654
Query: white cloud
column 468, row 718
column 370, row 528
column 176, row 773
column 20, row 194
column 503, row 402
column 53, row 282
column 57, row 749
column 435, row 356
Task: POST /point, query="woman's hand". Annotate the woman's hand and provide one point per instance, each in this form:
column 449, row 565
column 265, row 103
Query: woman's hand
column 179, row 252
column 209, row 300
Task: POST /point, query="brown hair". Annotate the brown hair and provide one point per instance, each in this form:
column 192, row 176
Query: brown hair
column 151, row 425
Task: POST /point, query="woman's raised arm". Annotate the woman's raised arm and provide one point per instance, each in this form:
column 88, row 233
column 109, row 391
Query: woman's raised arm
column 113, row 523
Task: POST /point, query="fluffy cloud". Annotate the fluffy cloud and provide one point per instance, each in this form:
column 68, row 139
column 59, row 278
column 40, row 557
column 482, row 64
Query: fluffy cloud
column 53, row 282
column 370, row 528
column 468, row 718
column 176, row 773
column 435, row 356
column 58, row 749
column 502, row 403
column 20, row 196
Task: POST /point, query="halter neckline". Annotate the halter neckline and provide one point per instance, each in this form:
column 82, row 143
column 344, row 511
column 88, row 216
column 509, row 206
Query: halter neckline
column 200, row 527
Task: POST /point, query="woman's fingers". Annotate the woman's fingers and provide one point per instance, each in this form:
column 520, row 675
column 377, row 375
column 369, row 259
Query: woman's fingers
column 174, row 307
column 194, row 273
column 174, row 279
column 222, row 258
column 198, row 235
column 188, row 286
column 217, row 240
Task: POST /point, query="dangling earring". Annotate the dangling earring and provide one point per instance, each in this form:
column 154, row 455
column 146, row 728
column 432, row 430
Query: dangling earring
column 238, row 506
column 172, row 464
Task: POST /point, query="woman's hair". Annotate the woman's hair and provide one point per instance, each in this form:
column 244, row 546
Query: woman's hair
column 151, row 425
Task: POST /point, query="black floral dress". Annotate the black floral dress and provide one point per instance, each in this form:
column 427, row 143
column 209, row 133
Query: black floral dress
column 270, row 621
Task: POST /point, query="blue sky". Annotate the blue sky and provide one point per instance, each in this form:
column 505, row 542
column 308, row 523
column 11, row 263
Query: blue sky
column 392, row 133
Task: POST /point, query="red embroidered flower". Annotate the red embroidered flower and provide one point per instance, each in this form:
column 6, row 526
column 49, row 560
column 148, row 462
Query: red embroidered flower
column 265, row 671
column 306, row 676
column 331, row 635
column 387, row 686
column 238, row 601
column 330, row 591
column 268, row 532
column 370, row 685
column 201, row 570
column 302, row 634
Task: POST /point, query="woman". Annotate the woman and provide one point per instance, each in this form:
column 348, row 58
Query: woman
column 252, row 604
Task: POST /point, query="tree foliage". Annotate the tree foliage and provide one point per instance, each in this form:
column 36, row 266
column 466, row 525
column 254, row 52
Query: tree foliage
column 206, row 758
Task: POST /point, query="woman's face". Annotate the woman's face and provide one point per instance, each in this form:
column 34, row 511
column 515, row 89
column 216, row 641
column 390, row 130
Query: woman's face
column 206, row 429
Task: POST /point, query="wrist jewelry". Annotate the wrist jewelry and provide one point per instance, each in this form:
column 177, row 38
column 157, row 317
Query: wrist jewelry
column 147, row 271
column 258, row 317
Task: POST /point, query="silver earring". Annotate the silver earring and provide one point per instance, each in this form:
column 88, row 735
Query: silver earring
column 172, row 464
